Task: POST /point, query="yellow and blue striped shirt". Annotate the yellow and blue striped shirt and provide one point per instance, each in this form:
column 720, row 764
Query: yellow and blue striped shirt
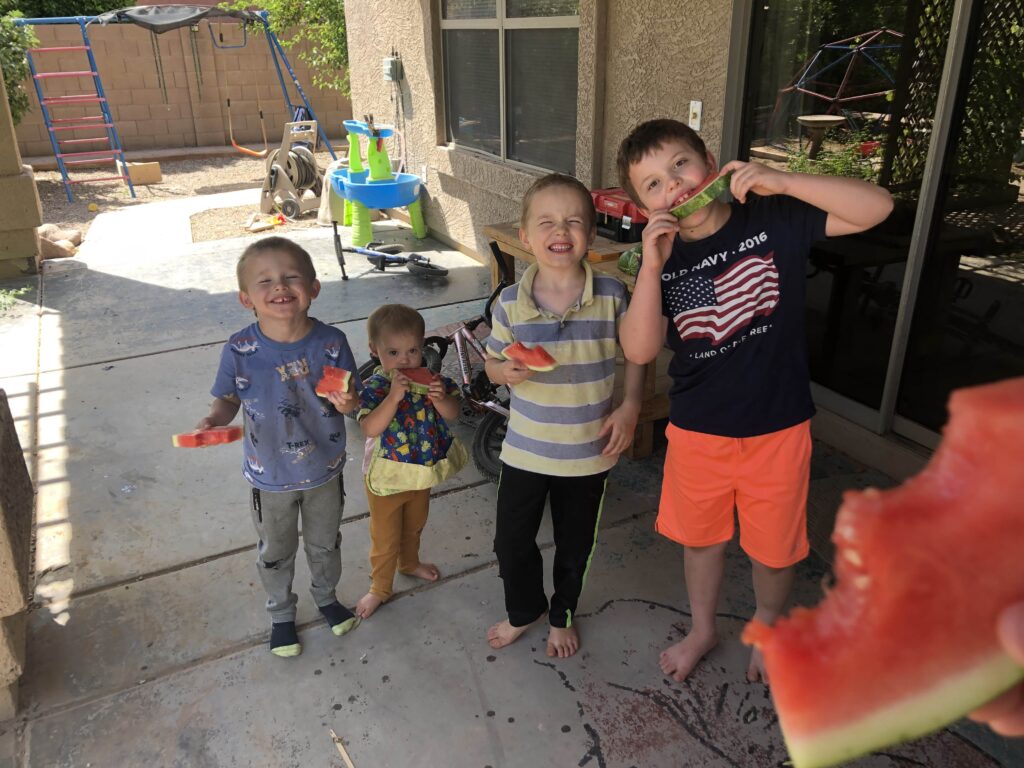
column 556, row 415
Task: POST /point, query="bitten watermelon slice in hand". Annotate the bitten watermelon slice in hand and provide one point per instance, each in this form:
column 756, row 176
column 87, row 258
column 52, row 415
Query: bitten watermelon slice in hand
column 333, row 380
column 712, row 186
column 536, row 358
column 201, row 438
column 420, row 379
column 905, row 642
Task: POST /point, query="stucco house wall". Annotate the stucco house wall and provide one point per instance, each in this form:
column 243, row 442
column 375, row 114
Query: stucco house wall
column 637, row 60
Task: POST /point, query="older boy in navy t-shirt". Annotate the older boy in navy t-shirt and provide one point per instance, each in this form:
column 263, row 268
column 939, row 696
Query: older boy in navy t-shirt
column 724, row 287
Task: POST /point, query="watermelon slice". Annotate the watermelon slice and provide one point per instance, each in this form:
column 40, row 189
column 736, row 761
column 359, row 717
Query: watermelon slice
column 536, row 358
column 698, row 197
column 905, row 642
column 420, row 379
column 201, row 438
column 333, row 380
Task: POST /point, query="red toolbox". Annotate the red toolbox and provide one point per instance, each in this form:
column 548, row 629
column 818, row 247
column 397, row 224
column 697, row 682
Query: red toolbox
column 618, row 218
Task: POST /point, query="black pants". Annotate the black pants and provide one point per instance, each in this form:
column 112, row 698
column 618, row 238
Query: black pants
column 575, row 513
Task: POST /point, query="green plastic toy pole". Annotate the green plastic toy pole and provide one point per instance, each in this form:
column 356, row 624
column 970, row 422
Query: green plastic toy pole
column 355, row 162
column 348, row 214
column 362, row 227
column 336, row 203
column 419, row 227
column 378, row 160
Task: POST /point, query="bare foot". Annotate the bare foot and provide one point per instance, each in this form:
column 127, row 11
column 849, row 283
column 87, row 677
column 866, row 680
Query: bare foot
column 503, row 633
column 425, row 571
column 756, row 671
column 367, row 604
column 563, row 642
column 679, row 660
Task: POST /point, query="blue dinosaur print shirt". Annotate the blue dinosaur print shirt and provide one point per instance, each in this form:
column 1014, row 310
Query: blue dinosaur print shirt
column 294, row 440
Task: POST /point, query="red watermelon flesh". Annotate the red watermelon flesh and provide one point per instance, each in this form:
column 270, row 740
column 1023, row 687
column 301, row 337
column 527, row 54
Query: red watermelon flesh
column 333, row 380
column 201, row 438
column 536, row 358
column 420, row 379
column 905, row 642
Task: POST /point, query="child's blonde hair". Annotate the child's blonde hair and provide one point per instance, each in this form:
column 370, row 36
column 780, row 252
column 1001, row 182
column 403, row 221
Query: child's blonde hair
column 396, row 318
column 268, row 244
column 566, row 182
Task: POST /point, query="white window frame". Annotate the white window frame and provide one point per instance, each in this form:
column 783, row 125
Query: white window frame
column 501, row 24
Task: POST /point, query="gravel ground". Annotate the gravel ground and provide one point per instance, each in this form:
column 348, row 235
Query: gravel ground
column 181, row 178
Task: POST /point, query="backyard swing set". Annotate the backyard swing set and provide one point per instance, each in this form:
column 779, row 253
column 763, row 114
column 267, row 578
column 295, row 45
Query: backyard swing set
column 290, row 170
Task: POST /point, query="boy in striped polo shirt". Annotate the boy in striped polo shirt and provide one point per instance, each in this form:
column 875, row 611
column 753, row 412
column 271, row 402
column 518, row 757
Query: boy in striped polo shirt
column 563, row 433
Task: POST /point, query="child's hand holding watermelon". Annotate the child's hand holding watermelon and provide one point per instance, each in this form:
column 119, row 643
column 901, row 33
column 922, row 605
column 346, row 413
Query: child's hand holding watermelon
column 399, row 386
column 344, row 402
column 1005, row 714
column 436, row 391
column 507, row 372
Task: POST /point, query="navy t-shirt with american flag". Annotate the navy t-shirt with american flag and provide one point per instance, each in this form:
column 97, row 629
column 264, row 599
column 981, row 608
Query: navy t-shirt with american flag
column 735, row 305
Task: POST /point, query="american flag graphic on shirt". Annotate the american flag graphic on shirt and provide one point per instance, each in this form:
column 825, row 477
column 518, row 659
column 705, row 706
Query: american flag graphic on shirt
column 715, row 308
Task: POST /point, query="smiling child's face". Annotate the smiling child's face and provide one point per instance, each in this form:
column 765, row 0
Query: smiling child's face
column 276, row 286
column 667, row 173
column 557, row 229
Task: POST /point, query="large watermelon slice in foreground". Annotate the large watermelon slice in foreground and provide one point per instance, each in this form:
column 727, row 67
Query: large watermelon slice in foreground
column 905, row 642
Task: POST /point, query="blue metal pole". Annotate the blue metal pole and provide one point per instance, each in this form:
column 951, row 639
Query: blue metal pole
column 274, row 43
column 54, row 20
column 108, row 118
column 48, row 122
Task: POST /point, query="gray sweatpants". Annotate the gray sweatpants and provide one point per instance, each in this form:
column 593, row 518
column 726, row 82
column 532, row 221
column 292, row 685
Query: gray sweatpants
column 276, row 517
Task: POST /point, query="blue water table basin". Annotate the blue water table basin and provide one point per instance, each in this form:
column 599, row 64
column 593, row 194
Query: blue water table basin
column 398, row 192
column 374, row 186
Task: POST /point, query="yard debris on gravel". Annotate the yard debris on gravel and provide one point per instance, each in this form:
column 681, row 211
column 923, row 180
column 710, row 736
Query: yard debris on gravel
column 181, row 179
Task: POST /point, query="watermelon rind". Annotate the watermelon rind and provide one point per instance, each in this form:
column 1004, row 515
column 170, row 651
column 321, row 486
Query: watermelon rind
column 702, row 198
column 910, row 718
column 629, row 261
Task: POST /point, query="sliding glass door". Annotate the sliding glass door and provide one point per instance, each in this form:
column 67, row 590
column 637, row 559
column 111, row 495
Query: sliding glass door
column 927, row 99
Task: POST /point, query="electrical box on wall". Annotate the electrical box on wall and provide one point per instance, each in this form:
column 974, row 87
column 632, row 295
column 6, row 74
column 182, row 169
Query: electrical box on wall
column 392, row 69
column 696, row 110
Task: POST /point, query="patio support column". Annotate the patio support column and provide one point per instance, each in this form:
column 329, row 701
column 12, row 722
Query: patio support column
column 22, row 212
column 16, row 503
column 593, row 54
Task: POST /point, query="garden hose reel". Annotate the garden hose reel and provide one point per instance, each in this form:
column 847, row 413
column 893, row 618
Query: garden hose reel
column 293, row 183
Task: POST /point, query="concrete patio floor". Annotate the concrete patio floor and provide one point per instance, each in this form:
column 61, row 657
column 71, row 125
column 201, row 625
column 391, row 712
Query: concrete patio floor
column 147, row 643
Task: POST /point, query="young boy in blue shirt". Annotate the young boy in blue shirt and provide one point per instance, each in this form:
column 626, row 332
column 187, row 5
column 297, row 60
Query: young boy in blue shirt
column 294, row 447
column 731, row 278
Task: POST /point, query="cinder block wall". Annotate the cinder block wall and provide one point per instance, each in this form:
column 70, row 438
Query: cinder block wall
column 185, row 106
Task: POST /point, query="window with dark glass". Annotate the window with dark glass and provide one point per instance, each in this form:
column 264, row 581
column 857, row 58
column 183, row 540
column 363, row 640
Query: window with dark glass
column 510, row 72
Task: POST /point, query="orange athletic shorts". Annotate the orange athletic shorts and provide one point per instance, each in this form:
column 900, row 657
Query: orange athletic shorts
column 764, row 478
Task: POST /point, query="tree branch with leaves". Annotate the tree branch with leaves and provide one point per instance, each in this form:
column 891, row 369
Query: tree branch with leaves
column 320, row 24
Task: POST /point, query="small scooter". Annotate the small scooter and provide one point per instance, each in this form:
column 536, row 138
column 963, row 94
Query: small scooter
column 382, row 256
